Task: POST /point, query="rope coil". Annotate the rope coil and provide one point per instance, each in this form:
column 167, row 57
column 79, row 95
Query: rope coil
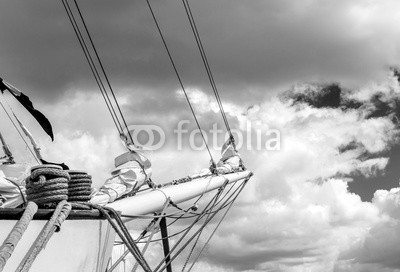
column 47, row 185
column 79, row 186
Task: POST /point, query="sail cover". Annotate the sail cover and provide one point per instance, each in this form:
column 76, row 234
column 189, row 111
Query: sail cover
column 26, row 102
column 10, row 194
column 131, row 171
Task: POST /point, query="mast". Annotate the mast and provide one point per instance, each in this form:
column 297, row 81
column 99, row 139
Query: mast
column 7, row 152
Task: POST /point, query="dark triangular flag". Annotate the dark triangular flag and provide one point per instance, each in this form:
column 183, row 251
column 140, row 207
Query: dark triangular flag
column 26, row 102
column 63, row 165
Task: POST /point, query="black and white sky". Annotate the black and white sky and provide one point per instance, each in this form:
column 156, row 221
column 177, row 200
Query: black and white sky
column 322, row 73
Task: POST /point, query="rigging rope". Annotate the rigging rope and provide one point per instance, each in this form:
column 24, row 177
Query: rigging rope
column 219, row 223
column 152, row 228
column 53, row 225
column 91, row 63
column 179, row 79
column 79, row 187
column 95, row 70
column 103, row 70
column 15, row 126
column 214, row 199
column 9, row 244
column 47, row 186
column 198, row 237
column 230, row 202
column 206, row 64
column 220, row 201
column 123, row 233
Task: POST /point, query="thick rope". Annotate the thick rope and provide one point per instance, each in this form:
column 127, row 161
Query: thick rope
column 79, row 186
column 9, row 244
column 47, row 186
column 152, row 228
column 123, row 233
column 53, row 225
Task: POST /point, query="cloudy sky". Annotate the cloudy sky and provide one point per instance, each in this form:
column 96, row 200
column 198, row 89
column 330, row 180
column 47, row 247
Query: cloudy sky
column 318, row 72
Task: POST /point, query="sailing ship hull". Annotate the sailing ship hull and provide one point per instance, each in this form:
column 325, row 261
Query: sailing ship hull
column 81, row 245
column 85, row 241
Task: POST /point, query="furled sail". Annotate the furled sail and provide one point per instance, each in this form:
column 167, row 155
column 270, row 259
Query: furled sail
column 27, row 103
column 8, row 156
column 36, row 147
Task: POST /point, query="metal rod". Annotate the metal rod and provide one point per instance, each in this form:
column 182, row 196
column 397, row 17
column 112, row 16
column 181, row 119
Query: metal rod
column 165, row 241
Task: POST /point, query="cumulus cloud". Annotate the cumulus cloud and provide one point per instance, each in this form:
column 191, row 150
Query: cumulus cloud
column 379, row 248
column 297, row 212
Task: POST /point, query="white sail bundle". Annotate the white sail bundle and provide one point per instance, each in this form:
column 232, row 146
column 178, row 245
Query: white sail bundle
column 12, row 185
column 131, row 171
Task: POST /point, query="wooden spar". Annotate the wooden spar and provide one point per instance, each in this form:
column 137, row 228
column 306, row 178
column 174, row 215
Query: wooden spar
column 154, row 200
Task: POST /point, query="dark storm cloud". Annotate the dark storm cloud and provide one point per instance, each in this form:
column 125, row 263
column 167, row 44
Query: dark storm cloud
column 353, row 145
column 332, row 95
column 324, row 96
column 252, row 46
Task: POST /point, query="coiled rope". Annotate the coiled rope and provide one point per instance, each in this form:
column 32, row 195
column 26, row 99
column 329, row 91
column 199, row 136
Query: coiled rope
column 47, row 185
column 79, row 186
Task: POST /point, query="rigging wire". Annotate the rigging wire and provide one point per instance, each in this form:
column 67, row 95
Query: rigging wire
column 216, row 228
column 209, row 218
column 228, row 202
column 179, row 79
column 103, row 70
column 187, row 229
column 19, row 132
column 212, row 203
column 200, row 216
column 197, row 239
column 194, row 214
column 92, row 65
column 206, row 64
column 120, row 124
